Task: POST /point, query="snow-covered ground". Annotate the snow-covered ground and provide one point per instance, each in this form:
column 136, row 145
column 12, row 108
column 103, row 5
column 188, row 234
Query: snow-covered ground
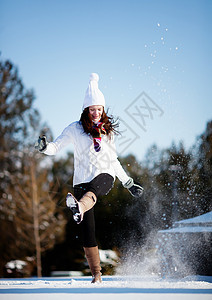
column 117, row 287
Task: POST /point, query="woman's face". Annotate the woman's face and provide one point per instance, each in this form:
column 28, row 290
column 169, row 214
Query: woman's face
column 95, row 112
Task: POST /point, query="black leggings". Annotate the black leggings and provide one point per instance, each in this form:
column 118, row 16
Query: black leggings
column 100, row 185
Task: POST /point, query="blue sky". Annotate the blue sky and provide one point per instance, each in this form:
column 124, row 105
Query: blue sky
column 162, row 48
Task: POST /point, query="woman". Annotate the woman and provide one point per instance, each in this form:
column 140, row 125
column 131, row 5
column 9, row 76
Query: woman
column 95, row 166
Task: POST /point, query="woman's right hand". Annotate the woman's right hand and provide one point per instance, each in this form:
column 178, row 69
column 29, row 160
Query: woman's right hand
column 41, row 144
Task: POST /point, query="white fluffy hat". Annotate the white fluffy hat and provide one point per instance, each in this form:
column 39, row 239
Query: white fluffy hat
column 93, row 95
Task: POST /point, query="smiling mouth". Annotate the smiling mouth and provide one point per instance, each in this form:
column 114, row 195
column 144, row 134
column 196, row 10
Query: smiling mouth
column 95, row 120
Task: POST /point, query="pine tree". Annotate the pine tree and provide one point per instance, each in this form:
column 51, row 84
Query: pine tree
column 29, row 217
column 203, row 168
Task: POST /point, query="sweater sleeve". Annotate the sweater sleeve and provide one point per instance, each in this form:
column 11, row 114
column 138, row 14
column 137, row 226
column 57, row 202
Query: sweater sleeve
column 65, row 138
column 119, row 171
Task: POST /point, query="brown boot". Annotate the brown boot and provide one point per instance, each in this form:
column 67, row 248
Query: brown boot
column 78, row 208
column 92, row 255
column 87, row 201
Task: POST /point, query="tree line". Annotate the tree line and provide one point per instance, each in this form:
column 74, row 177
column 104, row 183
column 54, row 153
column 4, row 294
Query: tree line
column 35, row 224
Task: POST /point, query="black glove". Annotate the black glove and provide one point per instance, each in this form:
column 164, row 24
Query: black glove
column 135, row 189
column 41, row 144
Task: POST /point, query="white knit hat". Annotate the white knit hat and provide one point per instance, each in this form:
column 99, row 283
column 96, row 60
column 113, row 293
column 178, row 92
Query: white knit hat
column 93, row 95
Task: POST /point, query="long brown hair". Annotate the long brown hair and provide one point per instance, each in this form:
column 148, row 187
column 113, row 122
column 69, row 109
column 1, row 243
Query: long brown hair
column 110, row 124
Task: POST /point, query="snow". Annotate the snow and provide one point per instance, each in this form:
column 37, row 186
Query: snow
column 186, row 247
column 119, row 287
column 202, row 223
column 18, row 264
column 205, row 218
column 108, row 256
column 196, row 229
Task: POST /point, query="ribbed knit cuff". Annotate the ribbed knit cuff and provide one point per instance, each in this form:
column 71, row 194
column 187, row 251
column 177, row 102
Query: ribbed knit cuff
column 129, row 183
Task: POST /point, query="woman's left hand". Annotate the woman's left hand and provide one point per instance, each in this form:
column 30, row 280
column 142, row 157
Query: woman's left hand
column 135, row 189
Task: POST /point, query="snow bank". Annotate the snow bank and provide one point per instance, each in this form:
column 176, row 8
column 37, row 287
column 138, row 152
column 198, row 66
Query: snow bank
column 205, row 218
column 193, row 229
column 119, row 286
column 202, row 220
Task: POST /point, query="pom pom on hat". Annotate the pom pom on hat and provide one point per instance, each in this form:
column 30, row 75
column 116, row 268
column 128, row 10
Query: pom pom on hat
column 94, row 77
column 93, row 95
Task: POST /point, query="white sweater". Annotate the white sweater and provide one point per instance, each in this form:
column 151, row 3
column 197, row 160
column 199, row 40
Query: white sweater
column 87, row 162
